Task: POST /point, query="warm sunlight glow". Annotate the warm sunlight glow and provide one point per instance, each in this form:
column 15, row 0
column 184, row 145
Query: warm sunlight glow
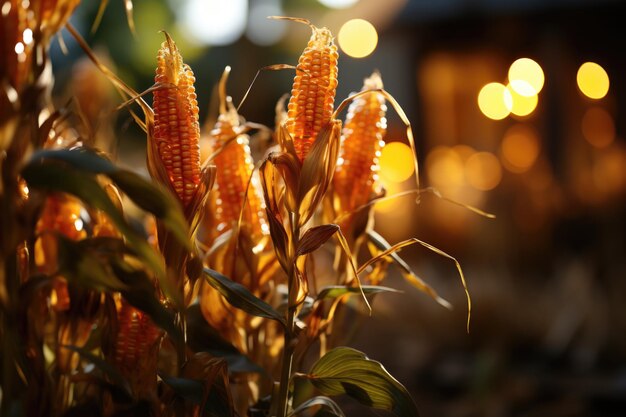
column 215, row 22
column 27, row 36
column 520, row 148
column 261, row 30
column 593, row 81
column 521, row 105
column 338, row 4
column 494, row 100
column 483, row 171
column 396, row 162
column 357, row 38
column 526, row 77
column 598, row 127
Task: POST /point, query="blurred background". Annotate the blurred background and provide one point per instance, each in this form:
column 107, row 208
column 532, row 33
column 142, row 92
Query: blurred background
column 518, row 109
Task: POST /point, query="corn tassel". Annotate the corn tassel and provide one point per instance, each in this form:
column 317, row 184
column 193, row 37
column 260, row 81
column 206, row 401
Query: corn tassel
column 357, row 169
column 176, row 127
column 313, row 93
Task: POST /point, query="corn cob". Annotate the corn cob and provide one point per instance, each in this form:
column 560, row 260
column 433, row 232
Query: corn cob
column 234, row 168
column 313, row 93
column 136, row 337
column 362, row 141
column 15, row 58
column 61, row 214
column 176, row 128
column 20, row 22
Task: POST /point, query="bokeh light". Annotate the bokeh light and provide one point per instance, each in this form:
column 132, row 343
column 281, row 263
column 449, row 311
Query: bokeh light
column 483, row 171
column 521, row 105
column 598, row 127
column 215, row 22
column 338, row 4
column 593, row 81
column 526, row 77
column 396, row 163
column 357, row 38
column 520, row 148
column 390, row 205
column 494, row 101
column 609, row 170
column 444, row 168
column 261, row 30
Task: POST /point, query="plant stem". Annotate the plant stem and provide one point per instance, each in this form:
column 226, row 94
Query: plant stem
column 289, row 345
column 287, row 361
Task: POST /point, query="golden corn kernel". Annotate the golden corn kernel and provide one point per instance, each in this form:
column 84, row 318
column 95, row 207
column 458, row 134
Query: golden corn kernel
column 234, row 168
column 362, row 141
column 176, row 128
column 313, row 93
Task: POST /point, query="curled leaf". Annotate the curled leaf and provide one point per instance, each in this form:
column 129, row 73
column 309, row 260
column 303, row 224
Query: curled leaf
column 406, row 270
column 438, row 251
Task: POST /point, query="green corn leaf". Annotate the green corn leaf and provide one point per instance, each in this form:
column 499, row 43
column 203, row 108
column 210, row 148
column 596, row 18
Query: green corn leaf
column 79, row 263
column 239, row 296
column 347, row 371
column 201, row 337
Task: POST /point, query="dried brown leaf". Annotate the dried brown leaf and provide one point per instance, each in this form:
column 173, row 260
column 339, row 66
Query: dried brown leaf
column 346, row 248
column 317, row 170
column 316, row 237
column 417, row 282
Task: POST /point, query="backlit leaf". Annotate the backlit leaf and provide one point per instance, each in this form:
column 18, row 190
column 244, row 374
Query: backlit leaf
column 347, row 371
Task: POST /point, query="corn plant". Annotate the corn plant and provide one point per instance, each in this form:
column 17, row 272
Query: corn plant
column 214, row 308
